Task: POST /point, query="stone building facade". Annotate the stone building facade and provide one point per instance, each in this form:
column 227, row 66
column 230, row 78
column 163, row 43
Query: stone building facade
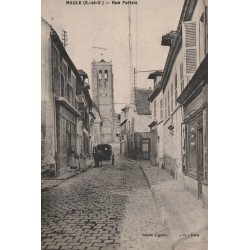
column 135, row 133
column 156, row 125
column 188, row 48
column 103, row 96
column 65, row 108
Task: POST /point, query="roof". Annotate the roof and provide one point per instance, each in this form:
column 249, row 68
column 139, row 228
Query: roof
column 102, row 60
column 168, row 38
column 186, row 15
column 141, row 101
column 82, row 73
column 154, row 74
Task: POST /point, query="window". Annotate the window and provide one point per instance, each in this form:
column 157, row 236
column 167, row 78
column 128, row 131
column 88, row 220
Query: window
column 181, row 76
column 181, row 70
column 65, row 73
column 175, row 90
column 64, row 80
column 100, row 77
column 55, row 71
column 105, row 77
column 69, row 74
column 73, row 82
column 161, row 109
column 171, row 108
column 62, row 86
column 100, row 74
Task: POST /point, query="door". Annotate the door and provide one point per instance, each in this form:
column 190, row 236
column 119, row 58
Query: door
column 145, row 149
column 200, row 160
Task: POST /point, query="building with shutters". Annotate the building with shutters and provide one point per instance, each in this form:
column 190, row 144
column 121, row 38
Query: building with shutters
column 103, row 96
column 84, row 122
column 65, row 108
column 194, row 100
column 188, row 48
column 95, row 128
column 135, row 133
column 156, row 125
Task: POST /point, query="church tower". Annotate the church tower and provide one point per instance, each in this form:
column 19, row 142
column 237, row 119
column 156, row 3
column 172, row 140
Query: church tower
column 103, row 96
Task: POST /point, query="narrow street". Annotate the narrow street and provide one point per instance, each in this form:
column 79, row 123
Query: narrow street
column 110, row 207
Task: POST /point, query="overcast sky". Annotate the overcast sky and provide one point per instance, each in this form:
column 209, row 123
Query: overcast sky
column 107, row 27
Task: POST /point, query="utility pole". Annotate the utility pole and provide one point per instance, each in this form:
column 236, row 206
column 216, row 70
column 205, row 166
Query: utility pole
column 64, row 38
column 131, row 69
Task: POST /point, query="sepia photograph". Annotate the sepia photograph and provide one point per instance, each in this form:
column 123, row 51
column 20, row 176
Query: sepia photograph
column 124, row 125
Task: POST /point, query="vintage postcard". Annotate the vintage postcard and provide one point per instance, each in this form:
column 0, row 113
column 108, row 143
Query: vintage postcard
column 124, row 124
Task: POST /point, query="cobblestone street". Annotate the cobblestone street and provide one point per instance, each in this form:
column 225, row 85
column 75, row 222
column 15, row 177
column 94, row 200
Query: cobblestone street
column 110, row 207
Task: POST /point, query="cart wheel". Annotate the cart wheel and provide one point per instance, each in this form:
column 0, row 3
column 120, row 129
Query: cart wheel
column 96, row 164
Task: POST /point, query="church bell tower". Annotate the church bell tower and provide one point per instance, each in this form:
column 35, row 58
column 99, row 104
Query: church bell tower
column 103, row 96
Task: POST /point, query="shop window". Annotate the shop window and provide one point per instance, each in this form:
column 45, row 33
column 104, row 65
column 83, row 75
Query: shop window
column 194, row 148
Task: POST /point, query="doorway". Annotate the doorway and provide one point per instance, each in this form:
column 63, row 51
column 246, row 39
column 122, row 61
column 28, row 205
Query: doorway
column 145, row 149
column 200, row 160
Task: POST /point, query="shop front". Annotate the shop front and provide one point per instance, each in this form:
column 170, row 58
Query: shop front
column 194, row 133
column 66, row 118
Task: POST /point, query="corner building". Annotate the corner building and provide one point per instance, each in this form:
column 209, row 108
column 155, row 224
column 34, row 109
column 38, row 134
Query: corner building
column 103, row 96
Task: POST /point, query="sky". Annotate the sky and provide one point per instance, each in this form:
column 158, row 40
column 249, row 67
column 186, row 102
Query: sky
column 107, row 26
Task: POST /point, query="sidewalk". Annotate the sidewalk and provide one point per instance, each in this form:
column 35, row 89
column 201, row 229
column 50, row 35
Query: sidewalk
column 47, row 183
column 181, row 212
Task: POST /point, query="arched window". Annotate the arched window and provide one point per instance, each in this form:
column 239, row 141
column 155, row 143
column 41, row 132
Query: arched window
column 106, row 74
column 100, row 74
column 105, row 77
column 100, row 77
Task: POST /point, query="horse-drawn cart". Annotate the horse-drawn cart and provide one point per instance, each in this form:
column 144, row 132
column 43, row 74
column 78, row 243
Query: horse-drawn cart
column 103, row 152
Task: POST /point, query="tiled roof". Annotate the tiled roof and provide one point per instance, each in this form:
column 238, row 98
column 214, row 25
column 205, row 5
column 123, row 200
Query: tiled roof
column 141, row 101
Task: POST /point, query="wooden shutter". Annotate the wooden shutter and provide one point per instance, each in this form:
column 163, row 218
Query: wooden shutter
column 202, row 44
column 191, row 47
